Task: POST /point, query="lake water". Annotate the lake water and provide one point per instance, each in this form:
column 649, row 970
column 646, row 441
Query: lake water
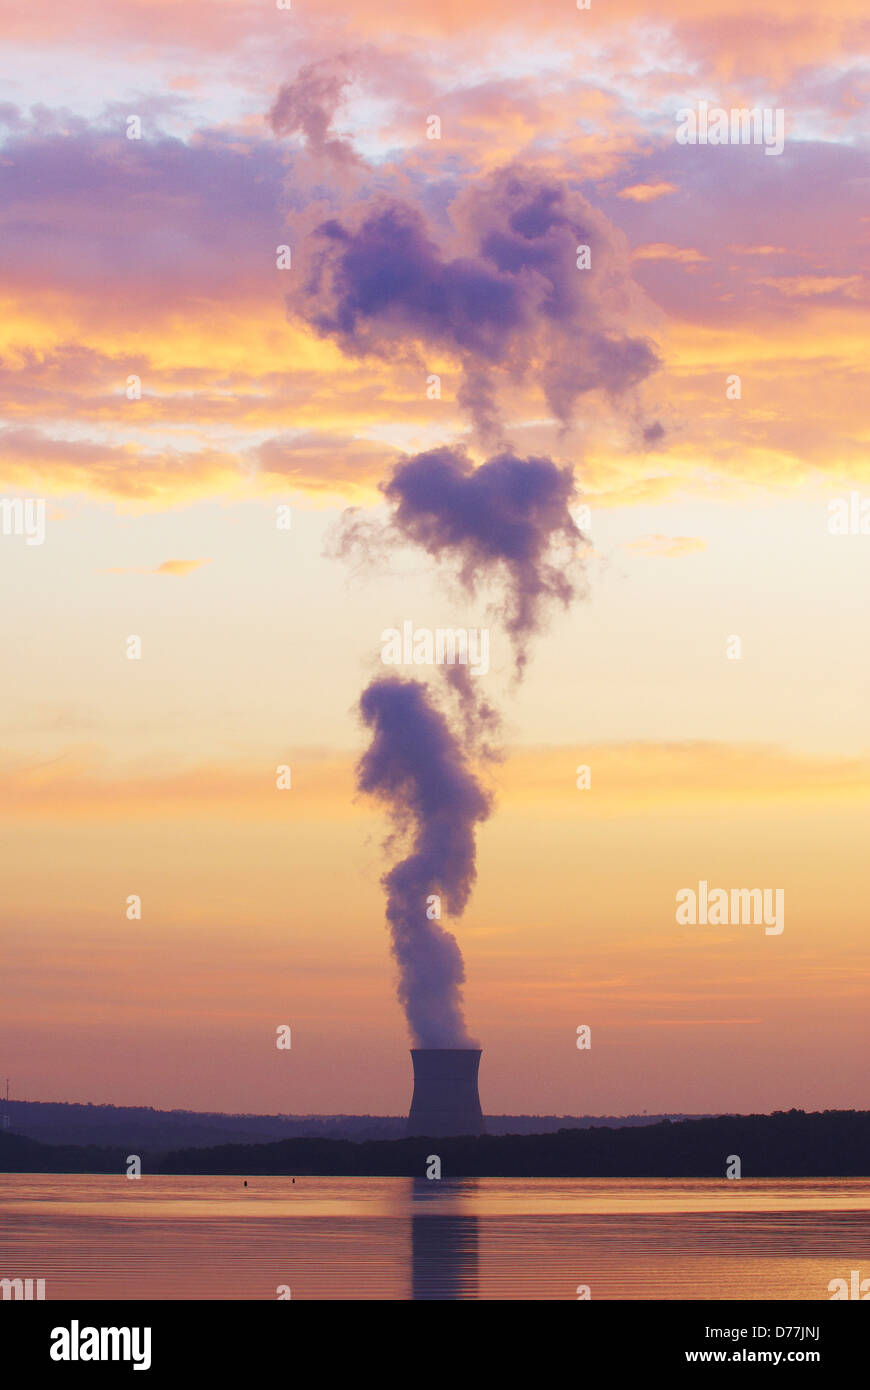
column 397, row 1238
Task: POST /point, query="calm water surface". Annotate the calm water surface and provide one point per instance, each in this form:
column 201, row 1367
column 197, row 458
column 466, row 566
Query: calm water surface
column 100, row 1237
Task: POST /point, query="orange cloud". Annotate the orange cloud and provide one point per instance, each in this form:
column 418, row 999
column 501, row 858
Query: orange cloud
column 326, row 467
column 758, row 250
column 807, row 286
column 29, row 457
column 179, row 566
column 663, row 251
column 168, row 567
column 717, row 36
column 669, row 546
column 646, row 192
column 645, row 776
column 625, row 777
column 76, row 784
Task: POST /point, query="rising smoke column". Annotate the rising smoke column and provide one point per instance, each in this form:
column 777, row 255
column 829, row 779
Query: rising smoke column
column 494, row 282
column 500, row 523
column 417, row 766
column 494, row 279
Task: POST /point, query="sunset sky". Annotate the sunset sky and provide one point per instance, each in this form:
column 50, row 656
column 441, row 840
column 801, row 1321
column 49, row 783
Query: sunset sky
column 261, row 387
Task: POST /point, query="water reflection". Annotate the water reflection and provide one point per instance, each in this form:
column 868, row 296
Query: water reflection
column 92, row 1236
column 444, row 1247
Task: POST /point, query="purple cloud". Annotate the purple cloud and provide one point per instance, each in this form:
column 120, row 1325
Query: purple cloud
column 307, row 105
column 501, row 290
column 500, row 523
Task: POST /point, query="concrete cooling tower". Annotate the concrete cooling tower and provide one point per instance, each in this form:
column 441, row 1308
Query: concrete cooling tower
column 445, row 1099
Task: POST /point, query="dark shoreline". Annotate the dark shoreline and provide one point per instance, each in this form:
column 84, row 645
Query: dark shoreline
column 786, row 1144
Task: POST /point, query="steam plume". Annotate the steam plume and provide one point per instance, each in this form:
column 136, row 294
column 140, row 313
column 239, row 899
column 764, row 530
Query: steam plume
column 416, row 765
column 501, row 522
column 498, row 287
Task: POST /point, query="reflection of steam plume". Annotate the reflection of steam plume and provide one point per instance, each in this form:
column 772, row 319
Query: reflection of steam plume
column 417, row 766
column 444, row 1256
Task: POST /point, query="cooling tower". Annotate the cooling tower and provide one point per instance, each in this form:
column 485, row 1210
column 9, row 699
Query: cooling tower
column 445, row 1099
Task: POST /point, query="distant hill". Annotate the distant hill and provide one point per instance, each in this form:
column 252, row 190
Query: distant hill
column 21, row 1155
column 147, row 1131
column 787, row 1144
